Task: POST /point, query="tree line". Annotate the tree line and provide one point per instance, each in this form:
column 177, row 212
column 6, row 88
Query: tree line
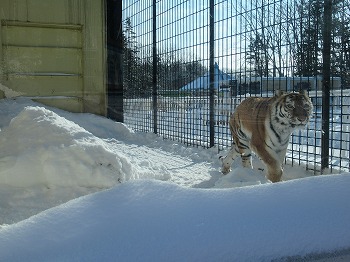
column 174, row 69
column 292, row 45
column 284, row 41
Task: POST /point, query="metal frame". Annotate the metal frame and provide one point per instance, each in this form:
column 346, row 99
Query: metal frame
column 237, row 49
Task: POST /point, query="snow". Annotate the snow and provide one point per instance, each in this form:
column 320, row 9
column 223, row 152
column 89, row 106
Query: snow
column 79, row 187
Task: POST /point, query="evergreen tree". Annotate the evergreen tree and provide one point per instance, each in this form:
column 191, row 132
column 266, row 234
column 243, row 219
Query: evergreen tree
column 130, row 60
column 308, row 53
column 340, row 55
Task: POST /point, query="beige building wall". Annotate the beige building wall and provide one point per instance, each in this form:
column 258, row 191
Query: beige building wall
column 54, row 52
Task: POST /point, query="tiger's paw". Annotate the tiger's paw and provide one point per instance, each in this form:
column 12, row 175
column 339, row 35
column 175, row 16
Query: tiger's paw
column 225, row 170
column 226, row 167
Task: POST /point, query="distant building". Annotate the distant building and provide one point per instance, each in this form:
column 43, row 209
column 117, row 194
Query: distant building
column 265, row 84
column 223, row 82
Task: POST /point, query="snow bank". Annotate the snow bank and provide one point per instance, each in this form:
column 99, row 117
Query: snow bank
column 49, row 156
column 159, row 221
column 40, row 147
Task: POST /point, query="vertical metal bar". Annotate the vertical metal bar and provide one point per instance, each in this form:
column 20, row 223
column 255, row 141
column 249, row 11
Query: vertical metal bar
column 212, row 76
column 154, row 74
column 326, row 83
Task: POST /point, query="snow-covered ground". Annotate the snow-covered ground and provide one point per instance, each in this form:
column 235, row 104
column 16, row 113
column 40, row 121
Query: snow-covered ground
column 79, row 187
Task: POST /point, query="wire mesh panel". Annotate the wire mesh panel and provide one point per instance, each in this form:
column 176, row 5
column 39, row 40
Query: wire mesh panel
column 182, row 57
column 188, row 65
column 138, row 64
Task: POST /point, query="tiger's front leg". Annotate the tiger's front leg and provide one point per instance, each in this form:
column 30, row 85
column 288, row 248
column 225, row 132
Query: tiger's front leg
column 274, row 173
column 274, row 168
column 272, row 162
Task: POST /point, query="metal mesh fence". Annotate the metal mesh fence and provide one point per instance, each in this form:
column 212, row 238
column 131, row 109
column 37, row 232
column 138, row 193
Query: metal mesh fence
column 188, row 64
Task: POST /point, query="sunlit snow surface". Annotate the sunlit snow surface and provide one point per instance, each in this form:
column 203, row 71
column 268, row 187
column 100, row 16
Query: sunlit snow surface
column 159, row 201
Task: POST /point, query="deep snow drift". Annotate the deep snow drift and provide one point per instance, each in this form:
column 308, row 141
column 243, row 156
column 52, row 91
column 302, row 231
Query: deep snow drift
column 158, row 221
column 160, row 200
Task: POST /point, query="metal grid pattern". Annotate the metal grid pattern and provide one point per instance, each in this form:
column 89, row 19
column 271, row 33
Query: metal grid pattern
column 188, row 64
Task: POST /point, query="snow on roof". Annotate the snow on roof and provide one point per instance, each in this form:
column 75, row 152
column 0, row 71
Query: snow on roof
column 203, row 82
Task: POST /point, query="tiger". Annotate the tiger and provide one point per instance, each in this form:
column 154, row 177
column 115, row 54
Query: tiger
column 264, row 125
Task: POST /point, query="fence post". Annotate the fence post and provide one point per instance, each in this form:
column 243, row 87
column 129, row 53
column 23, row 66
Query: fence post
column 326, row 53
column 115, row 102
column 154, row 69
column 212, row 76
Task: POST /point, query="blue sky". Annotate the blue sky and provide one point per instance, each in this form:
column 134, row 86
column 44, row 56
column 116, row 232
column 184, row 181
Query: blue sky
column 182, row 26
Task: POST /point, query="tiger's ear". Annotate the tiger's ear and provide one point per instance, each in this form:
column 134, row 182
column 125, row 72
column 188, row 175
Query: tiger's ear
column 303, row 92
column 279, row 93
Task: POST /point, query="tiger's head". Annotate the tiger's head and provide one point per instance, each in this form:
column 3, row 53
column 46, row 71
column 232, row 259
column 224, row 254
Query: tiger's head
column 295, row 108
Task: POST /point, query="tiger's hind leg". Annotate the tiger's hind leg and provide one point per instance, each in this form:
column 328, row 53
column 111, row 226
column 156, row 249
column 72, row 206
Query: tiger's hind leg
column 228, row 160
column 245, row 152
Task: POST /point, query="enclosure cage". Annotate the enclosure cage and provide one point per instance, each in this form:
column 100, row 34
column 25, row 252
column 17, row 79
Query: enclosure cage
column 187, row 65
